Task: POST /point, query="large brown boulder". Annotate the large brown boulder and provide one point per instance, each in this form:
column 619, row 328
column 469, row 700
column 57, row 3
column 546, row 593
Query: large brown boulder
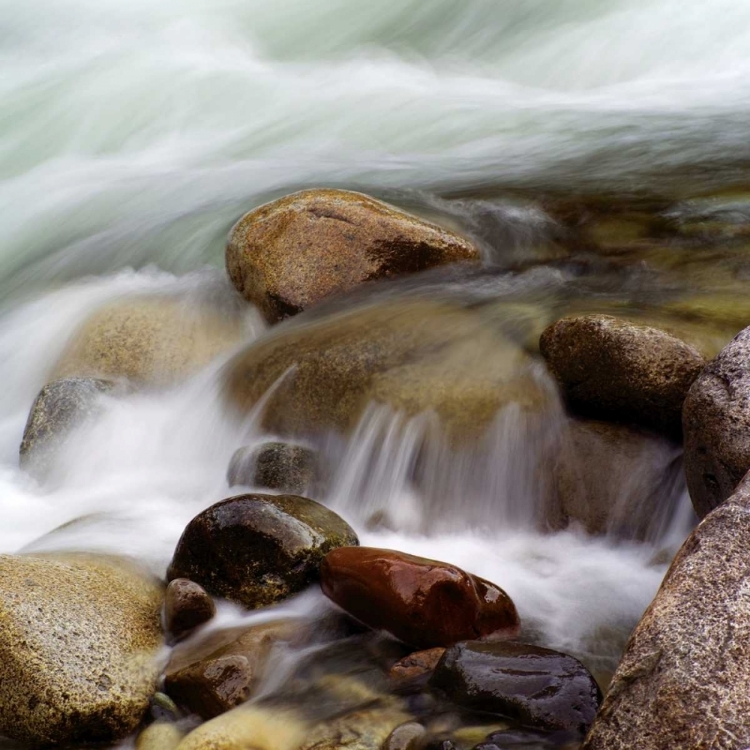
column 290, row 254
column 684, row 680
column 78, row 642
column 257, row 550
column 537, row 686
column 716, row 420
column 424, row 603
column 150, row 340
column 412, row 355
column 613, row 479
column 613, row 369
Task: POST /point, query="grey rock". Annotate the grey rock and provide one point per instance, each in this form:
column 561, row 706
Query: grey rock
column 684, row 680
column 276, row 466
column 716, row 421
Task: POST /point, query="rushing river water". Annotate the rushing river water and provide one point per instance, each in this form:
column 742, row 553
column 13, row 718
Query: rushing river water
column 596, row 151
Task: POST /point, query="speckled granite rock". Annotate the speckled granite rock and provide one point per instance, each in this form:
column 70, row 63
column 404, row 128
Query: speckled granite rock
column 716, row 421
column 293, row 252
column 684, row 680
column 614, row 369
column 151, row 341
column 78, row 640
column 258, row 549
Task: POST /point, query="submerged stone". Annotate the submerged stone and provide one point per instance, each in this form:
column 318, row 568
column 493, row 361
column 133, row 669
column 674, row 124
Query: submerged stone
column 536, row 686
column 257, row 549
column 60, row 407
column 222, row 670
column 422, row 602
column 150, row 341
column 276, row 466
column 79, row 636
column 613, row 369
column 291, row 253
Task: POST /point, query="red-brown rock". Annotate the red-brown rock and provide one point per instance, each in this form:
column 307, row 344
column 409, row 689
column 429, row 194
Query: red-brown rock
column 415, row 669
column 422, row 602
column 187, row 606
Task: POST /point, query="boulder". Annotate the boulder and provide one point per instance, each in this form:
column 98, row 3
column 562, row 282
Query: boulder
column 221, row 671
column 78, row 641
column 616, row 370
column 60, row 407
column 424, row 603
column 716, row 420
column 684, row 679
column 290, row 254
column 536, row 686
column 248, row 728
column 614, row 479
column 415, row 356
column 187, row 605
column 150, row 341
column 257, row 550
column 275, row 466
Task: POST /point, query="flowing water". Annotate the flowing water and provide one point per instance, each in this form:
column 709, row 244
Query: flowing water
column 596, row 151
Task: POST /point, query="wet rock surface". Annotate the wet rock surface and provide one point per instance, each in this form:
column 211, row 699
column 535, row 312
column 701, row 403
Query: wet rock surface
column 290, row 254
column 535, row 686
column 60, row 407
column 187, row 606
column 613, row 479
column 258, row 549
column 528, row 739
column 79, row 636
column 405, row 736
column 684, row 679
column 150, row 341
column 422, row 602
column 413, row 671
column 613, row 369
column 276, row 466
column 716, row 421
column 413, row 356
column 221, row 671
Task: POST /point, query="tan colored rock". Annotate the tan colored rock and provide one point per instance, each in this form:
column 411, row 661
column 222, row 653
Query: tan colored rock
column 221, row 670
column 366, row 729
column 716, row 420
column 614, row 479
column 684, row 679
column 411, row 355
column 151, row 341
column 248, row 728
column 291, row 253
column 78, row 642
column 613, row 369
column 160, row 735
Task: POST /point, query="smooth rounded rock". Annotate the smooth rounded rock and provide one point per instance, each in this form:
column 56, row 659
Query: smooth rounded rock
column 716, row 420
column 221, row 671
column 414, row 670
column 187, row 605
column 422, row 602
column 617, row 480
column 613, row 369
column 160, row 735
column 684, row 680
column 257, row 549
column 528, row 739
column 414, row 356
column 536, row 686
column 79, row 636
column 290, row 254
column 405, row 736
column 149, row 341
column 60, row 407
column 275, row 466
column 366, row 729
